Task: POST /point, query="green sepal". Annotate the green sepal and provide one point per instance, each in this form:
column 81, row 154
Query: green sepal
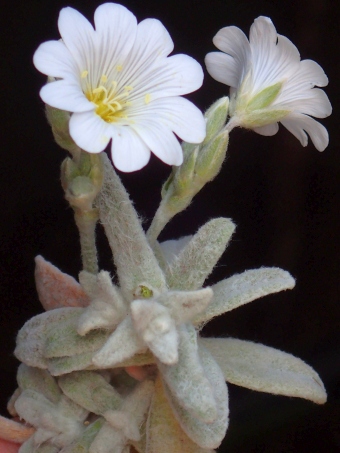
column 216, row 117
column 265, row 97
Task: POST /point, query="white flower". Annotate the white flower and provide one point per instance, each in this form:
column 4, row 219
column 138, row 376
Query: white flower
column 269, row 83
column 119, row 84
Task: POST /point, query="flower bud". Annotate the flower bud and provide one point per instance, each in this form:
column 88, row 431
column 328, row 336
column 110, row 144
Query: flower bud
column 216, row 117
column 82, row 180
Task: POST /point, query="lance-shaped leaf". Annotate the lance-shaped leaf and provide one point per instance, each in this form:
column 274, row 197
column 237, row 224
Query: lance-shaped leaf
column 196, row 261
column 157, row 328
column 265, row 369
column 31, row 338
column 30, row 447
column 187, row 379
column 121, row 345
column 132, row 253
column 206, row 435
column 13, row 431
column 164, row 433
column 63, row 365
column 56, row 289
column 90, row 390
column 50, row 420
column 63, row 339
column 82, row 445
column 243, row 288
column 185, row 305
column 123, row 425
column 107, row 308
column 39, row 380
column 171, row 248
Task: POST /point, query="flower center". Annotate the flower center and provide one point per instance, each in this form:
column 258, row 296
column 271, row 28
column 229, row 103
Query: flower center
column 111, row 101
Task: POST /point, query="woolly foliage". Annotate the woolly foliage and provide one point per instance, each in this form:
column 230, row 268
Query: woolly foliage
column 243, row 288
column 265, row 369
column 132, row 253
column 196, row 260
column 164, row 433
column 206, row 435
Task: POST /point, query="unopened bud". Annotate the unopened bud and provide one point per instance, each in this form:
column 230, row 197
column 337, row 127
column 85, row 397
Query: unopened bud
column 82, row 180
column 216, row 117
column 211, row 157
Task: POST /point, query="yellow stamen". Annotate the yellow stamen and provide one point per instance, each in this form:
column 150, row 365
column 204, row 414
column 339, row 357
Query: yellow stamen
column 147, row 98
column 111, row 102
column 119, row 67
column 84, row 74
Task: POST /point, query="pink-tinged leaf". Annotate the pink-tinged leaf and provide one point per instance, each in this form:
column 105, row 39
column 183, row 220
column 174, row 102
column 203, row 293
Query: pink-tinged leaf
column 8, row 447
column 56, row 289
column 12, row 431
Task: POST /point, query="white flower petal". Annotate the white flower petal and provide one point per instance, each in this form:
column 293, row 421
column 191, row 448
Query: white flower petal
column 54, row 59
column 90, row 132
column 116, row 29
column 173, row 76
column 223, row 68
column 232, row 41
column 265, row 369
column 160, row 140
column 65, row 95
column 129, row 152
column 270, row 82
column 310, row 74
column 177, row 114
column 78, row 35
column 314, row 102
column 156, row 39
column 152, row 42
column 268, row 130
column 298, row 123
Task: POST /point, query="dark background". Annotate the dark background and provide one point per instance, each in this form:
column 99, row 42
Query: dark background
column 284, row 199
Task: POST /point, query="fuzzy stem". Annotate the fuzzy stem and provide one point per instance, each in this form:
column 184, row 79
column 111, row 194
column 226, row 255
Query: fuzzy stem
column 86, row 222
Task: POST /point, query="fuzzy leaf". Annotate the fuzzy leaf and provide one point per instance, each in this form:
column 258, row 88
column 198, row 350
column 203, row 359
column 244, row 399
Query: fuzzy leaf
column 122, row 344
column 13, row 431
column 90, row 390
column 30, row 447
column 63, row 340
column 39, row 380
column 265, row 369
column 56, row 289
column 184, row 305
column 132, row 253
column 62, row 365
column 187, row 380
column 32, row 336
column 173, row 247
column 83, row 444
column 206, row 435
column 243, row 288
column 108, row 440
column 164, row 434
column 198, row 258
column 157, row 329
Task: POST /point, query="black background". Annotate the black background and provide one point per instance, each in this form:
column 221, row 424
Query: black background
column 284, row 199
